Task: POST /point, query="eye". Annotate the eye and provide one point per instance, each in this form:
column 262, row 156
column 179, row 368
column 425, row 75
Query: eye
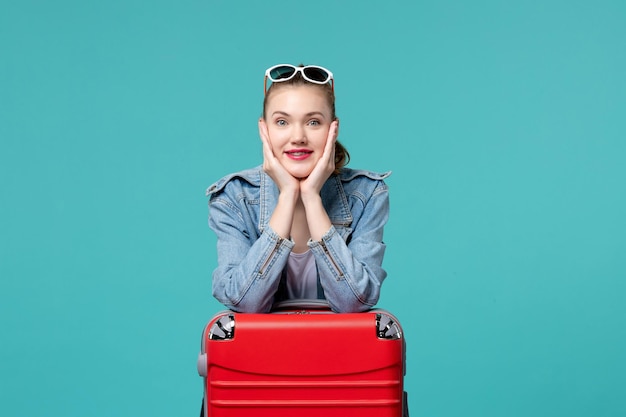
column 281, row 122
column 314, row 122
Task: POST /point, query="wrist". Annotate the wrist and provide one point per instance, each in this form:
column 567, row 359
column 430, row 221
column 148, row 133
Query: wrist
column 289, row 195
column 309, row 198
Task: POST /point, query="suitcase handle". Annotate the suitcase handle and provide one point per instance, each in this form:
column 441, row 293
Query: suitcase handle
column 307, row 304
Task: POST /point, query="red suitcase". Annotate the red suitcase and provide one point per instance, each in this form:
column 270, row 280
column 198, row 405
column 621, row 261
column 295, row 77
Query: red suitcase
column 303, row 362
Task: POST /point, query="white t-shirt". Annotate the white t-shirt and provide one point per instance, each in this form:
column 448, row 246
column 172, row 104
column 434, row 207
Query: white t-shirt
column 301, row 276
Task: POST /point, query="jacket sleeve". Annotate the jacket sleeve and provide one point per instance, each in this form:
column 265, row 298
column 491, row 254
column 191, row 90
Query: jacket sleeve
column 249, row 266
column 351, row 272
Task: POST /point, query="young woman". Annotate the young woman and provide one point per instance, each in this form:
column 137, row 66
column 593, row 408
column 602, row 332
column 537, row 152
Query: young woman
column 302, row 225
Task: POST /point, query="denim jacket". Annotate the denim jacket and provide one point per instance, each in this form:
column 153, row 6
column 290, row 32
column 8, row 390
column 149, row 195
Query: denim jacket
column 252, row 257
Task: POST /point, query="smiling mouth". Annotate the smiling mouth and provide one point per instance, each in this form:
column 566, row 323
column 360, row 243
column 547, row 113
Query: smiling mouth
column 299, row 154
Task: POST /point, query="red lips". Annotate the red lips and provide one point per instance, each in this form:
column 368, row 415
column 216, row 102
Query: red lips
column 298, row 154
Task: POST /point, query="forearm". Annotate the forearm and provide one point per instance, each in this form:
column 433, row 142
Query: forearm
column 250, row 283
column 317, row 219
column 282, row 217
column 351, row 283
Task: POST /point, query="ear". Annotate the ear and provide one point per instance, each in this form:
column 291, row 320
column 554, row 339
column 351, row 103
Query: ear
column 262, row 127
column 263, row 132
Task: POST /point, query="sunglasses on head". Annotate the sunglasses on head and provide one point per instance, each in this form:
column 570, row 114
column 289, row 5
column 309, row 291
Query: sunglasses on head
column 285, row 72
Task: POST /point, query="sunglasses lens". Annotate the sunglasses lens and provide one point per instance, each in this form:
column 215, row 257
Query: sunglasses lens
column 280, row 73
column 316, row 74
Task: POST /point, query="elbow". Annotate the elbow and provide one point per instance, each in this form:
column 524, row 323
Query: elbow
column 251, row 307
column 351, row 308
column 351, row 305
column 242, row 304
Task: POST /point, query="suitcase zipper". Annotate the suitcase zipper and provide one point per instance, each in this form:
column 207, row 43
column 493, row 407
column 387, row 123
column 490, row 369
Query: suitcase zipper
column 267, row 261
column 332, row 260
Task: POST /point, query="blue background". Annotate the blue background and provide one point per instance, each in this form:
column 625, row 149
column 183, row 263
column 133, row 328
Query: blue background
column 503, row 123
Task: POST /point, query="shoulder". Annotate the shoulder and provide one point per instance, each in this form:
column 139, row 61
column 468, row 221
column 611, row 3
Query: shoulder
column 246, row 178
column 363, row 182
column 349, row 174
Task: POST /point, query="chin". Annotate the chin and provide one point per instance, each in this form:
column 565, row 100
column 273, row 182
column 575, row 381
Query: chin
column 300, row 173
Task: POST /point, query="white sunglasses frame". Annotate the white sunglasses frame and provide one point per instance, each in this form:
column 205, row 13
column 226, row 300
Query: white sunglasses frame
column 296, row 69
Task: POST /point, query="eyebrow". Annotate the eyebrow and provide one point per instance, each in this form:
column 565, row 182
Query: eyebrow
column 313, row 113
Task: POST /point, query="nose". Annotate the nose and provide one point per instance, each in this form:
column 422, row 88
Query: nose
column 298, row 134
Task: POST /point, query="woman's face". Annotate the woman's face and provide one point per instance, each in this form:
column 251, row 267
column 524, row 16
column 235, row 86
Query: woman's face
column 298, row 119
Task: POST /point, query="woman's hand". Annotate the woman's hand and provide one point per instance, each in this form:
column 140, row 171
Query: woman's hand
column 317, row 219
column 289, row 187
column 272, row 166
column 312, row 185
